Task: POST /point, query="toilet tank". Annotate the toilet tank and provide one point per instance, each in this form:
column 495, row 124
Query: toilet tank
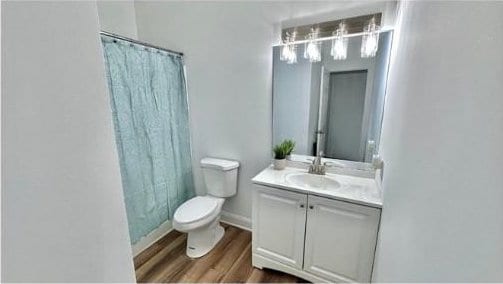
column 220, row 176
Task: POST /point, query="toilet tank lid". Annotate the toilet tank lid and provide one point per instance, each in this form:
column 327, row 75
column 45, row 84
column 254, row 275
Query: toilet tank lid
column 221, row 164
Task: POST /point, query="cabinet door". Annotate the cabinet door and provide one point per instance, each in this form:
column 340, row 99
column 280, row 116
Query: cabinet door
column 279, row 219
column 340, row 240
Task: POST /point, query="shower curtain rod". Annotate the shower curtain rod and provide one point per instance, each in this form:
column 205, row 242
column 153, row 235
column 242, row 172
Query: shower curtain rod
column 140, row 43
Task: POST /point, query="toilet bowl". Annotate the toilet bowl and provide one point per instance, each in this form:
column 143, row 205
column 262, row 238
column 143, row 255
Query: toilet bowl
column 199, row 217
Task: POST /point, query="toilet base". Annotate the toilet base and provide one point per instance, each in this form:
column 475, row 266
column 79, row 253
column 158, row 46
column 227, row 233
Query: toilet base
column 203, row 240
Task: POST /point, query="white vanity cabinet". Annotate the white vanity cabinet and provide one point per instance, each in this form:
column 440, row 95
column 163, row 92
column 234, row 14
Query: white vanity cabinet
column 340, row 239
column 316, row 238
column 279, row 219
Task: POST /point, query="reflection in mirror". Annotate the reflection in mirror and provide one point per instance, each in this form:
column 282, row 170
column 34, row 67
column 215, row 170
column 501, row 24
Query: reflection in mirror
column 333, row 106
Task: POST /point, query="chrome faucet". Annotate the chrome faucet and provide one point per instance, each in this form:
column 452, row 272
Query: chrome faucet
column 317, row 167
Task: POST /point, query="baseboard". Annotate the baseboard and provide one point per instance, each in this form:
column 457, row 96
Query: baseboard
column 236, row 220
column 152, row 237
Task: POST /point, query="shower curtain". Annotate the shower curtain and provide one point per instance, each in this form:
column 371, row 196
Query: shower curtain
column 150, row 116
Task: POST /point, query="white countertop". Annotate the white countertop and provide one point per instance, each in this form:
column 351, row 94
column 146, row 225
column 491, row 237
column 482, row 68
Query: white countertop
column 361, row 190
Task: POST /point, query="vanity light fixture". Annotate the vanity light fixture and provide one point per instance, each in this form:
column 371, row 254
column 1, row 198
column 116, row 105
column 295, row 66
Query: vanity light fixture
column 289, row 50
column 313, row 35
column 370, row 39
column 312, row 46
column 292, row 58
column 285, row 50
column 339, row 49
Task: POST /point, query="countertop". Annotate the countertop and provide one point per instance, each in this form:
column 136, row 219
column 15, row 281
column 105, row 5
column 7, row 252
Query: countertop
column 360, row 190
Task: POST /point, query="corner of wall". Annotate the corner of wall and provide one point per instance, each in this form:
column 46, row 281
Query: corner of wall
column 118, row 17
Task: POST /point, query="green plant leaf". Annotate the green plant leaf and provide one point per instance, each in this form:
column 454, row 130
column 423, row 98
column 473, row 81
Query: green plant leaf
column 283, row 149
column 290, row 145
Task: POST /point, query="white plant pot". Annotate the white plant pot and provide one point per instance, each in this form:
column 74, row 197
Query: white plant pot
column 279, row 164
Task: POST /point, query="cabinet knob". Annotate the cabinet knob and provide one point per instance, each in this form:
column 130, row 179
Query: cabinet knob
column 311, row 207
column 302, row 206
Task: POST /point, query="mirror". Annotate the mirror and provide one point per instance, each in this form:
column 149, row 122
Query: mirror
column 334, row 106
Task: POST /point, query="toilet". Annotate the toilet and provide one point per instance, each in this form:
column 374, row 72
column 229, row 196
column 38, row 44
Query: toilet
column 200, row 216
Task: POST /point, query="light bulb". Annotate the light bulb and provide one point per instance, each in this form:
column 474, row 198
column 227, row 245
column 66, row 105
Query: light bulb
column 340, row 43
column 285, row 50
column 312, row 47
column 288, row 50
column 370, row 40
column 292, row 54
column 284, row 53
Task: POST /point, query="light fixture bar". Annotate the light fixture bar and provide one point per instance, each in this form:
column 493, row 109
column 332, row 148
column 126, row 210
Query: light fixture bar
column 382, row 30
column 325, row 29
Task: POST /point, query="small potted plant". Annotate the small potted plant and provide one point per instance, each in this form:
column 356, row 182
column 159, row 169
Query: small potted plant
column 280, row 151
column 290, row 146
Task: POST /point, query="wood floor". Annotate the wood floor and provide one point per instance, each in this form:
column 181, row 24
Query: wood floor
column 230, row 261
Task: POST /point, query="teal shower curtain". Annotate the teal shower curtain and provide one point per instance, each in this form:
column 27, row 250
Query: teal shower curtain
column 150, row 116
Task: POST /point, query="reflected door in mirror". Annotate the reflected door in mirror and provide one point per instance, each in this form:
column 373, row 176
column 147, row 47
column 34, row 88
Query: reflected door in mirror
column 344, row 138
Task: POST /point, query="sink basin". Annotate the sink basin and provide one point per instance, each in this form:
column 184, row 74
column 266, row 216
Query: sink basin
column 312, row 181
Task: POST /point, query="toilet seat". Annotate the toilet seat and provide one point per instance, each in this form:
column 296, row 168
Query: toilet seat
column 197, row 212
column 195, row 209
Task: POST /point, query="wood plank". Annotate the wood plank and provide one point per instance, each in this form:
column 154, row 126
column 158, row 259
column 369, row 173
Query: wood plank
column 234, row 251
column 167, row 253
column 257, row 276
column 156, row 247
column 231, row 254
column 211, row 276
column 179, row 264
column 273, row 276
column 201, row 265
column 229, row 261
column 242, row 268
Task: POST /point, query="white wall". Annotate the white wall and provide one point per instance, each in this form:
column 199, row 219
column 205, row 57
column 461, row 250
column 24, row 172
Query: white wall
column 118, row 17
column 228, row 48
column 63, row 216
column 229, row 64
column 442, row 144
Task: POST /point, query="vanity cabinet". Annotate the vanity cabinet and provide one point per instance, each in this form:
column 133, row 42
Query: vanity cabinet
column 279, row 219
column 340, row 239
column 316, row 238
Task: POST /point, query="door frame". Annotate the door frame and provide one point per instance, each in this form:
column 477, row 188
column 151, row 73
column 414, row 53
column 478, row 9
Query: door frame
column 324, row 92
